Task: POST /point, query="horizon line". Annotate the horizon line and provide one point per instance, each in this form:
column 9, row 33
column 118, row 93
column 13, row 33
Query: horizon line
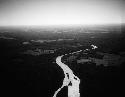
column 63, row 25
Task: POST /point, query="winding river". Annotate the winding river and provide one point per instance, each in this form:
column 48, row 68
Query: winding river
column 70, row 80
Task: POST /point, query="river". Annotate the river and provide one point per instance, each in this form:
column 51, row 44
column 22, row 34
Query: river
column 70, row 80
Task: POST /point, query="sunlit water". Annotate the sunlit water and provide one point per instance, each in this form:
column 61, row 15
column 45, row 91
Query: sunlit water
column 70, row 80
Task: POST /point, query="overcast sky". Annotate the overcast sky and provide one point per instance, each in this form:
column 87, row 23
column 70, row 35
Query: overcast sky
column 56, row 12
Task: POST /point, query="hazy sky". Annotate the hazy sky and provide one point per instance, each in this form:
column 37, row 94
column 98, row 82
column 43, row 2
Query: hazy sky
column 56, row 12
